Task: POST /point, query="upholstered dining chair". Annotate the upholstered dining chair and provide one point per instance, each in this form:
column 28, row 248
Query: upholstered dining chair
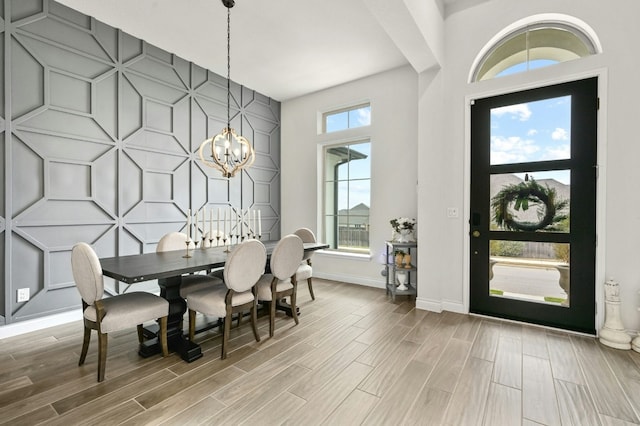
column 305, row 271
column 281, row 282
column 191, row 282
column 113, row 313
column 243, row 268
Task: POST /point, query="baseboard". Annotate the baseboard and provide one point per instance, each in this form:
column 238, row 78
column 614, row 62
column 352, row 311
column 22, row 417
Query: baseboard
column 15, row 329
column 429, row 304
column 350, row 279
column 451, row 306
column 440, row 305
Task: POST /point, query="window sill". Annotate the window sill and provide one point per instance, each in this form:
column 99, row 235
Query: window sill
column 345, row 255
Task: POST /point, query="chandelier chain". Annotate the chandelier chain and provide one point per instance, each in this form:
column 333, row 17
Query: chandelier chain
column 230, row 152
column 228, row 67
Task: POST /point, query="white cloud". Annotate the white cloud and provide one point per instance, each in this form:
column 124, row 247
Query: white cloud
column 560, row 152
column 560, row 134
column 364, row 116
column 512, row 149
column 521, row 111
column 532, row 132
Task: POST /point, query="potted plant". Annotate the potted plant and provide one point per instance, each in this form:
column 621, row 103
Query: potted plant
column 403, row 228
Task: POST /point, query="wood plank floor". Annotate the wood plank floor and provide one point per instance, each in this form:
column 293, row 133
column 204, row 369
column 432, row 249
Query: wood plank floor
column 355, row 358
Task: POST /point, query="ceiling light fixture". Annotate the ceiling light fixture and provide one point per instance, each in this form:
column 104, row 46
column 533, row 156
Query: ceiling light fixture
column 229, row 151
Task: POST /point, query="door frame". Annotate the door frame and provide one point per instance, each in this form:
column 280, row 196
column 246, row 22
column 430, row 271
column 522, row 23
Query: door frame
column 602, row 76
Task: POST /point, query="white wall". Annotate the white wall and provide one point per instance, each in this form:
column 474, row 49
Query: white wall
column 432, row 110
column 443, row 111
column 394, row 138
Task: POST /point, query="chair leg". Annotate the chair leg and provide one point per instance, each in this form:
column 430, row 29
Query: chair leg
column 192, row 324
column 85, row 345
column 239, row 318
column 163, row 336
column 254, row 321
column 102, row 355
column 313, row 297
column 272, row 316
column 225, row 335
column 294, row 310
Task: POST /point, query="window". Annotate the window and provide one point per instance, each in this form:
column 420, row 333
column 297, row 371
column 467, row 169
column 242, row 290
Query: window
column 534, row 45
column 347, row 195
column 348, row 118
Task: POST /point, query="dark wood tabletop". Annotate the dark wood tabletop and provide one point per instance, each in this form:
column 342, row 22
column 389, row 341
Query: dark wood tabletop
column 168, row 267
column 150, row 266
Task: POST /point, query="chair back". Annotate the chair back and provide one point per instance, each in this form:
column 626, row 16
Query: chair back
column 286, row 257
column 245, row 265
column 307, row 236
column 172, row 241
column 87, row 273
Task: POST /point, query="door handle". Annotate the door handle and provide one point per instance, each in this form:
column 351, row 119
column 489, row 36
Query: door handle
column 475, row 233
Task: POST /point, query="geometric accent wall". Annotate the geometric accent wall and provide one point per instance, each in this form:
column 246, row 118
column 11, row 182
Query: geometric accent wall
column 99, row 133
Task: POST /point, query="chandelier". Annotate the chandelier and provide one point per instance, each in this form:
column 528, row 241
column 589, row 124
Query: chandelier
column 230, row 152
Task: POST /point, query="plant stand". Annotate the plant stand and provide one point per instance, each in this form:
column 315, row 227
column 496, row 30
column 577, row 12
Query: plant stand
column 401, row 278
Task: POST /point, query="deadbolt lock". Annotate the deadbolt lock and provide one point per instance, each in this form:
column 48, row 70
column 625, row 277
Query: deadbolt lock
column 476, row 233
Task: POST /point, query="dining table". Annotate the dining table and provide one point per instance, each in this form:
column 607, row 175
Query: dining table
column 168, row 267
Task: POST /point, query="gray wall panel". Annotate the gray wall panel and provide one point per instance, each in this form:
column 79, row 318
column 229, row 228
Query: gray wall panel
column 103, row 149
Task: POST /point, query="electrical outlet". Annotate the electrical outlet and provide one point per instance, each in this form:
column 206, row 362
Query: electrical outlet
column 452, row 212
column 23, row 294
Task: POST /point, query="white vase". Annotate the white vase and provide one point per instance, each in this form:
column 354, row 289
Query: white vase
column 401, row 276
column 406, row 236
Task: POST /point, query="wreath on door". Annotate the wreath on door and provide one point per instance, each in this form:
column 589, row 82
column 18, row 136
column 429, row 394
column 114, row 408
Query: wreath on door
column 524, row 195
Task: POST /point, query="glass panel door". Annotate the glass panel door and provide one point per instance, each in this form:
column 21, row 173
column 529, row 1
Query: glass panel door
column 533, row 205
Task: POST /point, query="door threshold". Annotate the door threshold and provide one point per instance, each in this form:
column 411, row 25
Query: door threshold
column 546, row 327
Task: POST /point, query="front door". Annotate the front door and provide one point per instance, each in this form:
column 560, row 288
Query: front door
column 533, row 205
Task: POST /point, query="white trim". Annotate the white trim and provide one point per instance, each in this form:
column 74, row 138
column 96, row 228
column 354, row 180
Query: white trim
column 603, row 78
column 432, row 305
column 345, row 255
column 27, row 326
column 454, row 306
column 321, row 146
column 560, row 18
column 440, row 305
column 350, row 279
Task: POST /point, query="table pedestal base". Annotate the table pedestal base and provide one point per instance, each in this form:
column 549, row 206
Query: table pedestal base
column 176, row 341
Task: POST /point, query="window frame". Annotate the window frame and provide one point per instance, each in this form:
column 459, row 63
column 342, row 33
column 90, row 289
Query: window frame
column 324, row 180
column 575, row 26
column 348, row 109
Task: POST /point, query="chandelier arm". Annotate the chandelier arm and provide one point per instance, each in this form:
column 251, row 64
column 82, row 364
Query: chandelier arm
column 215, row 163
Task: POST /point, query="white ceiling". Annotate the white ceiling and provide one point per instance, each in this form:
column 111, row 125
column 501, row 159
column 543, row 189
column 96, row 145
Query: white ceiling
column 285, row 48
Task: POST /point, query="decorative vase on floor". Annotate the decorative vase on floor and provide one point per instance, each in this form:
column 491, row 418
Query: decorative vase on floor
column 612, row 334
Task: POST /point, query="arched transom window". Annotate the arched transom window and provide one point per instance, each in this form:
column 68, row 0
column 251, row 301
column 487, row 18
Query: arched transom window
column 534, row 45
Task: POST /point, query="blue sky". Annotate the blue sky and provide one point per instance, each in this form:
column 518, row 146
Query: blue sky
column 356, row 191
column 348, row 119
column 533, row 131
column 359, row 190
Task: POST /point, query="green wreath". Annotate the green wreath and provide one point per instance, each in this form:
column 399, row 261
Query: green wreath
column 522, row 195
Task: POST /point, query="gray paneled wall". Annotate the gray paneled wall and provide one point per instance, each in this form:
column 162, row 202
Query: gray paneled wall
column 100, row 133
